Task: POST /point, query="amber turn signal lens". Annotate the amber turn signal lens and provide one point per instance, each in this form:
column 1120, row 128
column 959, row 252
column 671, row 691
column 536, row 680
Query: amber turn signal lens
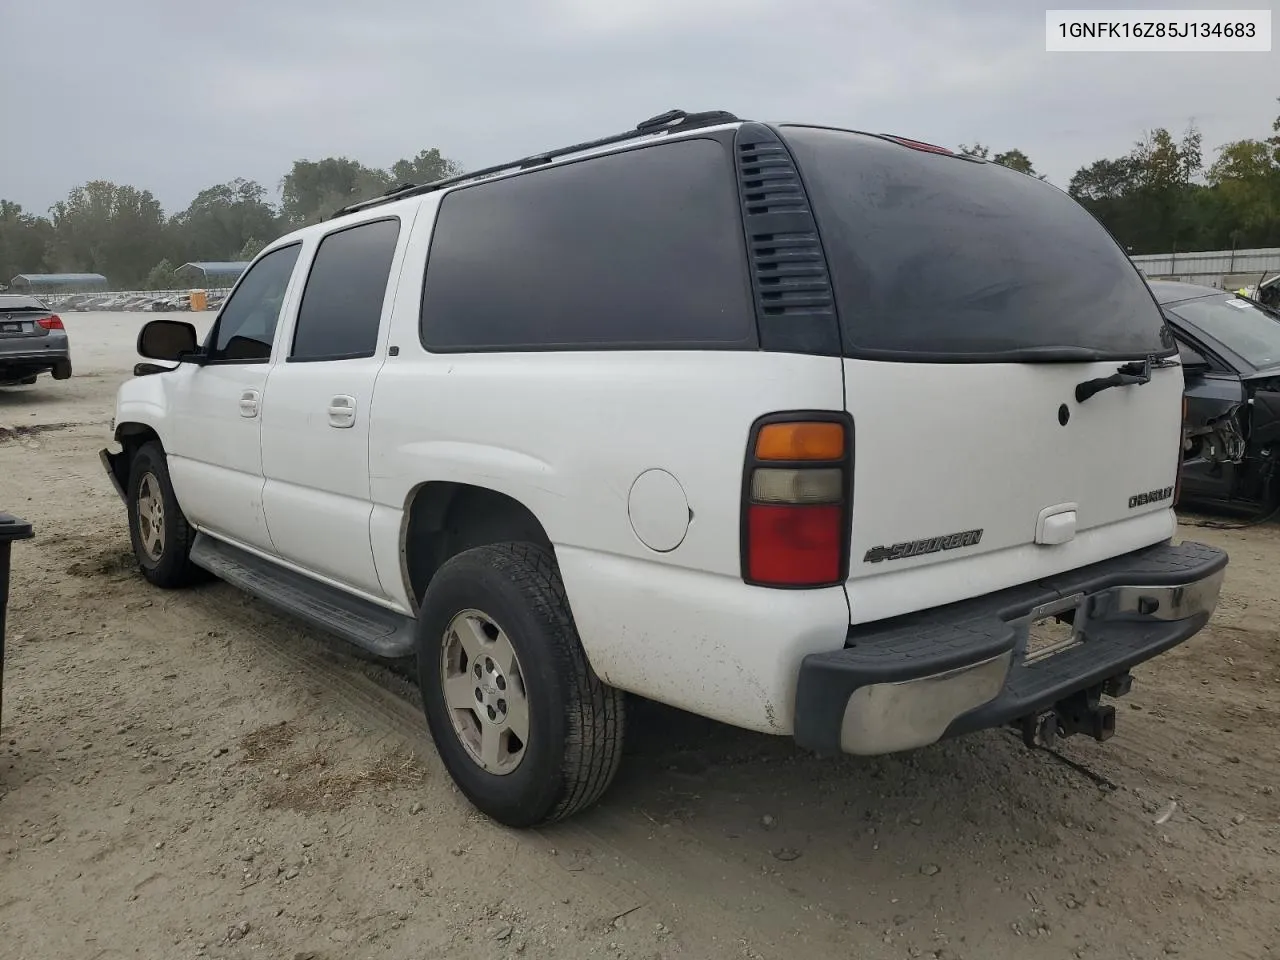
column 800, row 441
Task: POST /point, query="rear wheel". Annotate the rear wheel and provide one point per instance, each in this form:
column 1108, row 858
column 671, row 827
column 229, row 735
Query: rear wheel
column 524, row 726
column 160, row 533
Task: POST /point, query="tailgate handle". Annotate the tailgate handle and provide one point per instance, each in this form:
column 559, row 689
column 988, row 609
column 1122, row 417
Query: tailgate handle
column 1057, row 524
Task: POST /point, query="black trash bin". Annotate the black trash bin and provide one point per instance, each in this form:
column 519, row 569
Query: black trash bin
column 11, row 529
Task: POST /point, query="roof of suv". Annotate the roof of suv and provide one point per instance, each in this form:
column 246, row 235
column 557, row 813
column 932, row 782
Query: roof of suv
column 672, row 124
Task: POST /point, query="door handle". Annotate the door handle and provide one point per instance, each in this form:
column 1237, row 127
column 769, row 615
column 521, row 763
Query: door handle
column 342, row 411
column 249, row 403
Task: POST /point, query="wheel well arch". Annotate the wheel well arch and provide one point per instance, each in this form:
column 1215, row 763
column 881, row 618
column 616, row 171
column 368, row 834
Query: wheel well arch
column 444, row 518
column 131, row 436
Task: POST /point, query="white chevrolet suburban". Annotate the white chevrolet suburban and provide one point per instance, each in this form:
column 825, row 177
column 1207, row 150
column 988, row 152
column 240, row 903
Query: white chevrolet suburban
column 821, row 433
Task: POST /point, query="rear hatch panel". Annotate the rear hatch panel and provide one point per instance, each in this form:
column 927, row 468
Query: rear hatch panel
column 972, row 300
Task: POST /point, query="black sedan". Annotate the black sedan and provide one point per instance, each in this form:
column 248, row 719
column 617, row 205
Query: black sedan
column 1230, row 349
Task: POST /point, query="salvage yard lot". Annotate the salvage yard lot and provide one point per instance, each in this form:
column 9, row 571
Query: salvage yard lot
column 190, row 775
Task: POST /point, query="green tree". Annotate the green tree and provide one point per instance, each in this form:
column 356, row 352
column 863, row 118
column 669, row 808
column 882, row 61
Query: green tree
column 161, row 277
column 118, row 231
column 1152, row 199
column 1014, row 159
column 1246, row 180
column 252, row 247
column 427, row 167
column 221, row 220
column 315, row 190
column 24, row 242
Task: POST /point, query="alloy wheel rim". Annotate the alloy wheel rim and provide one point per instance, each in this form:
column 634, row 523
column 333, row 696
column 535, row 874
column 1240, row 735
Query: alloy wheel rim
column 484, row 692
column 151, row 517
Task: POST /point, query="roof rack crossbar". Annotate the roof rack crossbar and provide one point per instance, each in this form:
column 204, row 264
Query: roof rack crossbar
column 673, row 121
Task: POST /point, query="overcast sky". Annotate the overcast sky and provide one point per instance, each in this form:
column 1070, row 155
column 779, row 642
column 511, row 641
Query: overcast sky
column 176, row 95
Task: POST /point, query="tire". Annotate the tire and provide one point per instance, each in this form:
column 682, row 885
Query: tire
column 28, row 381
column 170, row 565
column 573, row 722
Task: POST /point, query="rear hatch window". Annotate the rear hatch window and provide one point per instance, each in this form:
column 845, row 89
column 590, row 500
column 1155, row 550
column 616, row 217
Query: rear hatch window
column 936, row 258
column 12, row 303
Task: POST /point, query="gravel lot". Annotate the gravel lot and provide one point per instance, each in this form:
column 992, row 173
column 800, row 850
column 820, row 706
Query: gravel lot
column 190, row 775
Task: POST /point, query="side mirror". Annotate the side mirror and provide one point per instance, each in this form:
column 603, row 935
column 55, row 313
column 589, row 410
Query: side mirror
column 172, row 340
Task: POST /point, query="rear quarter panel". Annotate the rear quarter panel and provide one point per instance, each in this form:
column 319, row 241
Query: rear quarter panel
column 567, row 434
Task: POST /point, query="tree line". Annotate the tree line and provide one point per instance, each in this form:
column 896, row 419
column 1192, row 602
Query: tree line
column 1163, row 197
column 1159, row 197
column 124, row 234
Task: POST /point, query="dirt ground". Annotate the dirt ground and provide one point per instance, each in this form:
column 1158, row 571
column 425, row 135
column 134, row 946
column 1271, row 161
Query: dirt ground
column 190, row 775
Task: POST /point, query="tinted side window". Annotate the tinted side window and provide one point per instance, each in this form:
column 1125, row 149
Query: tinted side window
column 641, row 249
column 246, row 326
column 342, row 303
column 933, row 257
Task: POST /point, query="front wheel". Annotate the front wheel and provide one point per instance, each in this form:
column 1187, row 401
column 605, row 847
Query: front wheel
column 524, row 726
column 160, row 533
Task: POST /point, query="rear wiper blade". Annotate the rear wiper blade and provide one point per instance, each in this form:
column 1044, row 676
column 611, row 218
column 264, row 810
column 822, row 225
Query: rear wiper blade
column 1134, row 373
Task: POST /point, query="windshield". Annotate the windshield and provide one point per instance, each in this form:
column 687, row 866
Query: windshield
column 938, row 258
column 1243, row 327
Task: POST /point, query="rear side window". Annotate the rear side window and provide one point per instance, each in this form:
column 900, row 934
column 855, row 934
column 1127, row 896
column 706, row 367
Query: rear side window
column 642, row 249
column 936, row 258
column 342, row 303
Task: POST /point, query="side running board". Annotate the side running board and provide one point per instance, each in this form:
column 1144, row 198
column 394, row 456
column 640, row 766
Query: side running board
column 382, row 632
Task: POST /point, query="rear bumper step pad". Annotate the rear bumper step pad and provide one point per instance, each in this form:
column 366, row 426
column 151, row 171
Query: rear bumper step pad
column 955, row 669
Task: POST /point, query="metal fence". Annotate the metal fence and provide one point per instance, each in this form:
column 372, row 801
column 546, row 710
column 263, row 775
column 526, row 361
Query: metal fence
column 145, row 300
column 1225, row 269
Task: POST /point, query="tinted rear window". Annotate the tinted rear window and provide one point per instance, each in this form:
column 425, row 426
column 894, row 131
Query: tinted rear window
column 16, row 303
column 639, row 249
column 933, row 257
column 342, row 304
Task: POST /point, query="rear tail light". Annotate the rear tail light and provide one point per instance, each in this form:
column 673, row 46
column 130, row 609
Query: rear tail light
column 795, row 510
column 51, row 322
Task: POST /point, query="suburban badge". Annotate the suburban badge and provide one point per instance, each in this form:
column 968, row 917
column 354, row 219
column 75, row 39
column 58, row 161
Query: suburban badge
column 918, row 548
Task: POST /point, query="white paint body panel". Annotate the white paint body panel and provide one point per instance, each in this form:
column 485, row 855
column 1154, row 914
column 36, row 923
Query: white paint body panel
column 214, row 452
column 316, row 497
column 315, row 446
column 963, row 446
column 939, row 448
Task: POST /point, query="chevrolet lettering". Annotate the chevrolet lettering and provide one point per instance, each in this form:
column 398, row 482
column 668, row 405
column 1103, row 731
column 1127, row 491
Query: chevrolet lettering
column 918, row 548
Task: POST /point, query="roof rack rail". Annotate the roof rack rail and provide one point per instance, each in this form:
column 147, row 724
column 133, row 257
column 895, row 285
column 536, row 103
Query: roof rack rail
column 673, row 121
